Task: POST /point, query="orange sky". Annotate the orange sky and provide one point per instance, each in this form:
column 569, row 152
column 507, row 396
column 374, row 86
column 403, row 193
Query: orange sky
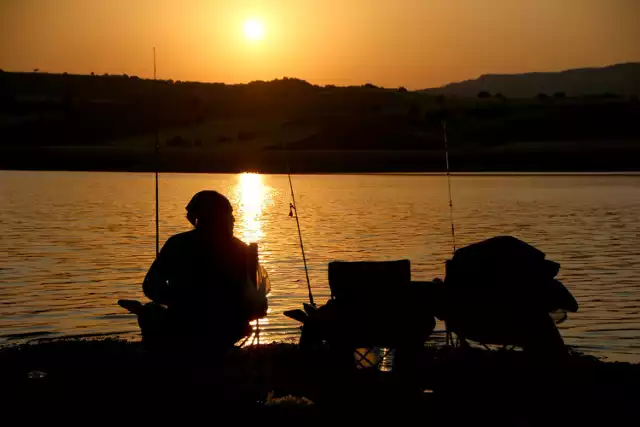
column 413, row 43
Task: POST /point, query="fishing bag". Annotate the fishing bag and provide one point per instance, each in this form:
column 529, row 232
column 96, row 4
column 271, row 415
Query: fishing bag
column 505, row 272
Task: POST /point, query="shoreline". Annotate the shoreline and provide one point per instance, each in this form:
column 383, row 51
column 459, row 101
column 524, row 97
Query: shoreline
column 603, row 160
column 612, row 174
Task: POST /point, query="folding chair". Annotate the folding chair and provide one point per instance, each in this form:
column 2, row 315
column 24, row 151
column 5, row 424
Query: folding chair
column 372, row 305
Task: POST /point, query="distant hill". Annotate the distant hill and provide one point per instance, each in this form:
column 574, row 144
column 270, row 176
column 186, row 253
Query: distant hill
column 64, row 121
column 620, row 79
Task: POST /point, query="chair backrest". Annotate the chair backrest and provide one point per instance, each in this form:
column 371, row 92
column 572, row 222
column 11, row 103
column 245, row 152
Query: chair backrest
column 259, row 280
column 252, row 263
column 368, row 281
column 256, row 273
column 377, row 303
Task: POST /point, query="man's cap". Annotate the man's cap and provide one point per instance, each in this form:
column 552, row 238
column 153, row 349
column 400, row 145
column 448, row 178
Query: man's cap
column 208, row 202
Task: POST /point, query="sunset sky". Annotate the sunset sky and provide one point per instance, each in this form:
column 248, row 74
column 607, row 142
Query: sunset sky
column 413, row 43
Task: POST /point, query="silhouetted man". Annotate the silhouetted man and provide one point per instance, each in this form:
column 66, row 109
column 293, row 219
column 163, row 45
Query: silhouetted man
column 202, row 277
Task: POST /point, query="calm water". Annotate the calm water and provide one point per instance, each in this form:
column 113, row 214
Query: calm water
column 72, row 243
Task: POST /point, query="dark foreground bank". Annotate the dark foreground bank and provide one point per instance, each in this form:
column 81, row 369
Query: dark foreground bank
column 111, row 377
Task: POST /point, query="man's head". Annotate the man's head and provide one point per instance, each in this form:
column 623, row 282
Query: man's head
column 210, row 210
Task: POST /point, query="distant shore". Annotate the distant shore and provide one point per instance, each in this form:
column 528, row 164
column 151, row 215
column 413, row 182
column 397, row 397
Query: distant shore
column 539, row 157
column 112, row 123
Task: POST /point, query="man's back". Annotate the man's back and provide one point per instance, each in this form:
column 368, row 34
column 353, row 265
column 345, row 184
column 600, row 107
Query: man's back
column 201, row 281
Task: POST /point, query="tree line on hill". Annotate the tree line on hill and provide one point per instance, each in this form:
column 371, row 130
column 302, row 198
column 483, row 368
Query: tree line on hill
column 39, row 109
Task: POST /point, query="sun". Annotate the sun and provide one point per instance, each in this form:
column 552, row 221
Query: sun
column 254, row 29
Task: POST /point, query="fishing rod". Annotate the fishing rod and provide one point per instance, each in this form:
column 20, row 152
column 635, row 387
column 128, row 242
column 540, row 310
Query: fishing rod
column 448, row 334
column 446, row 156
column 293, row 208
column 157, row 142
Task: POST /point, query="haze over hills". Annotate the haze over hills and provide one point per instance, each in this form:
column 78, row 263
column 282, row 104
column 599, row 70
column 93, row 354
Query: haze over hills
column 620, row 79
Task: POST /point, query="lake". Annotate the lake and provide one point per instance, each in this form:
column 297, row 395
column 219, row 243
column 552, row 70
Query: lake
column 72, row 243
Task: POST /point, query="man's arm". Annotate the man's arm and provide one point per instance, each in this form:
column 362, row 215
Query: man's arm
column 155, row 285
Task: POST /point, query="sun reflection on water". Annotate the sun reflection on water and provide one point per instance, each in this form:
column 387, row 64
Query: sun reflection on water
column 252, row 196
